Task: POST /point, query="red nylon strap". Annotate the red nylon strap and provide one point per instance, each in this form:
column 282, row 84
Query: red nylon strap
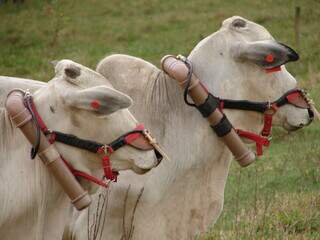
column 298, row 99
column 133, row 136
column 41, row 123
column 266, row 131
column 75, row 172
column 260, row 141
column 106, row 165
column 275, row 69
column 108, row 173
column 292, row 96
column 85, row 175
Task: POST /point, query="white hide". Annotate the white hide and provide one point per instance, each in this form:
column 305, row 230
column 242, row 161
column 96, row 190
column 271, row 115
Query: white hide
column 33, row 206
column 183, row 197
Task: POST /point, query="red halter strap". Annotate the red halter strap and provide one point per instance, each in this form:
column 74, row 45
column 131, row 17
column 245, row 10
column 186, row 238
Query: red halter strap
column 259, row 140
column 106, row 164
column 296, row 97
column 137, row 138
column 134, row 136
column 105, row 160
column 268, row 115
column 89, row 177
column 266, row 131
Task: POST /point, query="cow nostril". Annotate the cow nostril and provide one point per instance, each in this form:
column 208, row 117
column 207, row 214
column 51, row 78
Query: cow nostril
column 158, row 156
column 311, row 115
column 301, row 125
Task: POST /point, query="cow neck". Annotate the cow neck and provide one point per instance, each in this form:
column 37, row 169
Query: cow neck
column 169, row 118
column 162, row 98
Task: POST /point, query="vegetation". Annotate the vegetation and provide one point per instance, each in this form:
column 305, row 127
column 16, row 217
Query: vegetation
column 276, row 198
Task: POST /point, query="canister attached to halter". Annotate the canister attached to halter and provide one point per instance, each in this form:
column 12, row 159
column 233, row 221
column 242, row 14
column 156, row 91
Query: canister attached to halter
column 48, row 153
column 208, row 105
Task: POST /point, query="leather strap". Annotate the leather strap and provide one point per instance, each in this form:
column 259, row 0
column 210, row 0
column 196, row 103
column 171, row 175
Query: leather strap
column 223, row 127
column 209, row 106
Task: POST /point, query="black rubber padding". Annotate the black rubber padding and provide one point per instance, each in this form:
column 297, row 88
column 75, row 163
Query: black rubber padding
column 74, row 141
column 223, row 127
column 245, row 105
column 209, row 106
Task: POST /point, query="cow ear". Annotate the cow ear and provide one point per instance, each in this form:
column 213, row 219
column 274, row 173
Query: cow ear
column 68, row 69
column 72, row 71
column 266, row 54
column 102, row 100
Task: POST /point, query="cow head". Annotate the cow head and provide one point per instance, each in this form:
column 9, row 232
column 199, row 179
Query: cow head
column 82, row 102
column 243, row 61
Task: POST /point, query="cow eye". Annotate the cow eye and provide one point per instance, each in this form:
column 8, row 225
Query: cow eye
column 239, row 23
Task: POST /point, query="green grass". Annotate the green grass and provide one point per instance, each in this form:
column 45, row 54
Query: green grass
column 276, row 198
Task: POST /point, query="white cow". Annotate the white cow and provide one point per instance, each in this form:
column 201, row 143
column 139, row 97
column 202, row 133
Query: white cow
column 33, row 206
column 185, row 196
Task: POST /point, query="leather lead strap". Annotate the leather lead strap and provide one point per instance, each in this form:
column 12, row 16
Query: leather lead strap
column 209, row 106
column 223, row 127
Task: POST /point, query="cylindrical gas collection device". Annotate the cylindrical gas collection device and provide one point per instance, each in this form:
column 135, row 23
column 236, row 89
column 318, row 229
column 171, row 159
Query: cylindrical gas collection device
column 48, row 153
column 209, row 108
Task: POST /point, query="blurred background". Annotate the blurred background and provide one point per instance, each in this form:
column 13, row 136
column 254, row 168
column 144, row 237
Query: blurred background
column 276, row 198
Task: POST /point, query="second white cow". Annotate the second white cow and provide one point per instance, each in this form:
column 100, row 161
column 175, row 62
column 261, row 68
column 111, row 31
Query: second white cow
column 185, row 196
column 33, row 206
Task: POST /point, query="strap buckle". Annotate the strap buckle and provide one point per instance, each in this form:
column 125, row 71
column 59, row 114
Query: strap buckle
column 149, row 137
column 107, row 150
column 272, row 107
column 181, row 57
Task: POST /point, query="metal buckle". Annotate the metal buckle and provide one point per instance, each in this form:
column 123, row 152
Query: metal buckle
column 181, row 57
column 153, row 142
column 149, row 137
column 272, row 107
column 269, row 105
column 107, row 150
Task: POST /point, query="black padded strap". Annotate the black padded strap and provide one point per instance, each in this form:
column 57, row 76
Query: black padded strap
column 89, row 145
column 245, row 105
column 223, row 127
column 74, row 141
column 209, row 106
column 118, row 143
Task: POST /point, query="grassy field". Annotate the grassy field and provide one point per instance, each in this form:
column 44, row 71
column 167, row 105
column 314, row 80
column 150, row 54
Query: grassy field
column 276, row 198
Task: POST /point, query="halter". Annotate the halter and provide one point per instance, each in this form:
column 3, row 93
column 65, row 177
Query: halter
column 296, row 97
column 139, row 138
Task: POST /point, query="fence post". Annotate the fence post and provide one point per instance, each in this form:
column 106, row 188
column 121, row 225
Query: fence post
column 297, row 26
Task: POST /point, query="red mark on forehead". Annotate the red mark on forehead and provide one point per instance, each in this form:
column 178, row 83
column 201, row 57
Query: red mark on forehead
column 95, row 104
column 269, row 58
